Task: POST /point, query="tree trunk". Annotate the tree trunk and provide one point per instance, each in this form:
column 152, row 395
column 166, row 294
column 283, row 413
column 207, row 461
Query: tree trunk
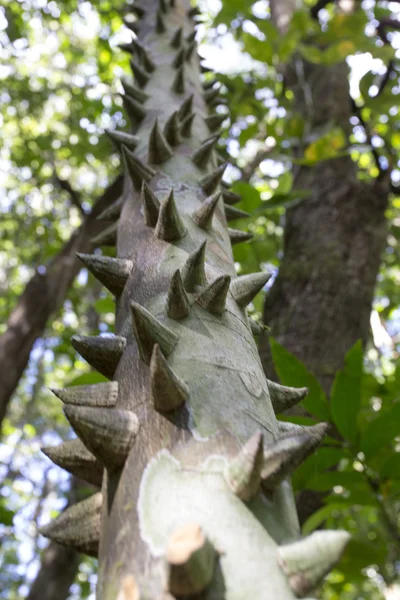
column 43, row 295
column 195, row 499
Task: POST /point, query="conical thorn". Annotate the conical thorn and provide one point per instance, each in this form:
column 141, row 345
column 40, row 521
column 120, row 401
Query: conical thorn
column 167, row 391
column 148, row 331
column 178, row 306
column 213, row 298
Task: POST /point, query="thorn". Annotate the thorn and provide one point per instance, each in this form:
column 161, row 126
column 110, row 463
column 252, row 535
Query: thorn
column 120, row 137
column 186, row 125
column 140, row 74
column 230, row 197
column 178, row 306
column 163, row 6
column 209, row 83
column 178, row 85
column 177, row 38
column 126, row 47
column 193, row 12
column 186, row 108
column 136, row 169
column 246, row 287
column 160, row 25
column 147, row 61
column 134, row 110
column 215, row 120
column 131, row 25
column 108, row 237
column 148, row 331
column 96, row 394
column 288, row 451
column 193, row 272
column 102, row 353
column 189, row 51
column 133, row 91
column 204, row 69
column 78, row 526
column 210, row 182
column 169, row 225
column 159, row 149
column 191, row 37
column 307, row 561
column 111, row 272
column 204, row 154
column 112, row 212
column 172, row 130
column 74, row 457
column 213, row 298
column 151, row 205
column 283, row 397
column 244, row 471
column 137, row 10
column 108, row 434
column 237, row 236
column 167, row 391
column 211, row 94
column 203, row 215
column 191, row 561
column 179, row 59
column 217, row 101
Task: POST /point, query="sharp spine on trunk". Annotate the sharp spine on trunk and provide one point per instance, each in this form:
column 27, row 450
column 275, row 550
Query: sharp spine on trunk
column 213, row 297
column 178, row 85
column 103, row 353
column 172, row 130
column 204, row 154
column 126, row 47
column 148, row 331
column 210, row 182
column 186, row 125
column 179, row 58
column 137, row 10
column 96, row 394
column 307, row 561
column 193, row 272
column 186, row 108
column 120, row 137
column 178, row 305
column 134, row 110
column 169, row 224
column 131, row 25
column 215, row 120
column 193, row 12
column 141, row 76
column 144, row 56
column 237, row 236
column 176, row 40
column 246, row 287
column 160, row 25
column 74, row 457
column 112, row 212
column 151, row 205
column 203, row 215
column 191, row 37
column 111, row 272
column 191, row 560
column 78, row 526
column 163, row 6
column 288, row 451
column 232, row 213
column 244, row 471
column 108, row 434
column 167, row 391
column 204, row 69
column 230, row 197
column 283, row 397
column 136, row 169
column 108, row 237
column 189, row 50
column 209, row 83
column 211, row 94
column 134, row 92
column 159, row 149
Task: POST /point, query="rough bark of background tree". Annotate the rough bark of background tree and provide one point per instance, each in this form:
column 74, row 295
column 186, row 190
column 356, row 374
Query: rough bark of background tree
column 195, row 497
column 43, row 295
column 320, row 303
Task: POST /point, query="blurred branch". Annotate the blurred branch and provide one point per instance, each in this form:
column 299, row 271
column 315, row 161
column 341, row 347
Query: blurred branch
column 75, row 196
column 358, row 112
column 251, row 167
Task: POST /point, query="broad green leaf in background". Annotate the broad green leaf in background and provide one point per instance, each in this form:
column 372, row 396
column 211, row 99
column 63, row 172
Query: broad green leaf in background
column 292, row 372
column 381, row 431
column 346, row 393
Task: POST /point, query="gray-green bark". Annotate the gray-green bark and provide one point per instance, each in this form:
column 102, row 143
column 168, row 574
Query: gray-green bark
column 195, row 497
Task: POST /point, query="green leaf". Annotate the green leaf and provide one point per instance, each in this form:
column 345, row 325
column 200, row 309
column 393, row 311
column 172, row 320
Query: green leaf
column 292, row 372
column 391, row 468
column 346, row 393
column 324, row 458
column 380, row 431
column 88, row 378
column 319, row 517
column 105, row 305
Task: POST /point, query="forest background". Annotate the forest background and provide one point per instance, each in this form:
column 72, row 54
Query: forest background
column 312, row 137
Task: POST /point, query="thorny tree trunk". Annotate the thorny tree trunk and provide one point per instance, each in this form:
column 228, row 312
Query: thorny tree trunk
column 195, row 498
column 42, row 296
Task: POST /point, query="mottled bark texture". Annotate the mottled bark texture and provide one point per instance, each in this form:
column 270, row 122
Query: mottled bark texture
column 43, row 295
column 195, row 499
column 320, row 303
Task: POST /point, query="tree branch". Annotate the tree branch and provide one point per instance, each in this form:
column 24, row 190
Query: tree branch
column 75, row 196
